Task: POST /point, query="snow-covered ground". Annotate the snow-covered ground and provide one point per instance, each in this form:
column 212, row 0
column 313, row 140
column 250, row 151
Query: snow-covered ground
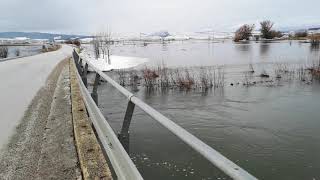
column 115, row 62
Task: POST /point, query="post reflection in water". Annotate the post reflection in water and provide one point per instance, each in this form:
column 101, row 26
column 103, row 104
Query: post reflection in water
column 264, row 48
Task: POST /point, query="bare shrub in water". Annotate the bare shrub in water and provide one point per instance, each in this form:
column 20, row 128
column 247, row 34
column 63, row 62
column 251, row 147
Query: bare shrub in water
column 186, row 81
column 183, row 78
column 4, row 52
column 302, row 74
column 220, row 77
column 134, row 78
column 315, row 70
column 243, row 33
column 149, row 77
column 122, row 77
column 204, row 78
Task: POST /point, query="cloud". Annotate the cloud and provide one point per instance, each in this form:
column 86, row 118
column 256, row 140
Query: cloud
column 89, row 16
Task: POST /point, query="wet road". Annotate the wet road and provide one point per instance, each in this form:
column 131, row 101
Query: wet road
column 20, row 80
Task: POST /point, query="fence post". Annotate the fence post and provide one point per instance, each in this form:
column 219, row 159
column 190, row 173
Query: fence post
column 94, row 93
column 124, row 136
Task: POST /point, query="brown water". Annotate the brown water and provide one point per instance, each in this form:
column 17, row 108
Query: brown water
column 271, row 131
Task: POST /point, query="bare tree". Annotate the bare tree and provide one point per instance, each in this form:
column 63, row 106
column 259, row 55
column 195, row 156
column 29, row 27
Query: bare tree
column 96, row 46
column 266, row 29
column 108, row 42
column 102, row 43
column 243, row 33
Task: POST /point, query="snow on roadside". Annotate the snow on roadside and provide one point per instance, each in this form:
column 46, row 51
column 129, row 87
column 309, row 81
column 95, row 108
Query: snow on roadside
column 116, row 62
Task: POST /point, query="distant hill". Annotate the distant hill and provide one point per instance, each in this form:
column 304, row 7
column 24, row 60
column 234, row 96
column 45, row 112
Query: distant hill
column 38, row 35
column 300, row 28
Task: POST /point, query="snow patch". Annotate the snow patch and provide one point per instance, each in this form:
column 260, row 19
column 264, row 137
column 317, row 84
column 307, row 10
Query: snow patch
column 116, row 62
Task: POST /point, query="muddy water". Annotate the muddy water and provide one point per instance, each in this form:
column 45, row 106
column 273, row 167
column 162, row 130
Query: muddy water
column 271, row 131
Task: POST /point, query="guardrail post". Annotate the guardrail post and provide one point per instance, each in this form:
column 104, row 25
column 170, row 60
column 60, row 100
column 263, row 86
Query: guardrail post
column 80, row 67
column 94, row 93
column 84, row 75
column 124, row 134
column 77, row 63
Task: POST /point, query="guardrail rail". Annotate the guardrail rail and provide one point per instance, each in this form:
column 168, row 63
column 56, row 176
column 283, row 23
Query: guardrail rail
column 112, row 144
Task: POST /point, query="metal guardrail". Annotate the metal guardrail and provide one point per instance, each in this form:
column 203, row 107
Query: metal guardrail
column 120, row 160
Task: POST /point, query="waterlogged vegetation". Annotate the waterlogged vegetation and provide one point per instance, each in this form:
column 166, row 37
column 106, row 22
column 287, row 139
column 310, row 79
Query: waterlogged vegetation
column 208, row 77
column 173, row 78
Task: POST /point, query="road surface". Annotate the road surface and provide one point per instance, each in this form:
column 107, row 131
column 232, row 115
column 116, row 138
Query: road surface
column 20, row 80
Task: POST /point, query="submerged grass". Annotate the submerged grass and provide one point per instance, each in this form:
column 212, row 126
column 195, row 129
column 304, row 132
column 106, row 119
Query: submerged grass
column 182, row 78
column 213, row 77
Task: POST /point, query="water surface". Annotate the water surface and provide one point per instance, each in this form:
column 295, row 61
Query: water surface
column 271, row 131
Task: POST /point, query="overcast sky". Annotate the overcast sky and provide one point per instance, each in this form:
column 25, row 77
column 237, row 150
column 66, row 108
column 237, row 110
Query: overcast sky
column 124, row 16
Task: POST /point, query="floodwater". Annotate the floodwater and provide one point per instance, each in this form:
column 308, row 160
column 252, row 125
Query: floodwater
column 270, row 131
column 206, row 53
column 23, row 50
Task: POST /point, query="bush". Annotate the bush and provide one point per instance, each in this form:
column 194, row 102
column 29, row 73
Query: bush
column 4, row 52
column 243, row 33
column 74, row 42
column 301, row 34
column 266, row 29
column 276, row 34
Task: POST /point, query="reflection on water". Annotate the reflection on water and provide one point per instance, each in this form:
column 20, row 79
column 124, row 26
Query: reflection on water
column 243, row 47
column 264, row 48
column 314, row 47
column 268, row 131
column 205, row 53
column 271, row 131
column 164, row 46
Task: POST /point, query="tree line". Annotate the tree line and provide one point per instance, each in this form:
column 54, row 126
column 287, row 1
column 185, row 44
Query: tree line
column 245, row 31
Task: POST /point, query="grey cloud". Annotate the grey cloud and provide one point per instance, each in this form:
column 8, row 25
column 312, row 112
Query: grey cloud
column 88, row 16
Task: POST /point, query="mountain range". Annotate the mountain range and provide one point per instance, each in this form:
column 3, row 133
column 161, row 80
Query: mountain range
column 39, row 35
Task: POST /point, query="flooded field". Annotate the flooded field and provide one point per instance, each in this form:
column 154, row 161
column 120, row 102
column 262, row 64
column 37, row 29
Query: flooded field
column 23, row 50
column 270, row 128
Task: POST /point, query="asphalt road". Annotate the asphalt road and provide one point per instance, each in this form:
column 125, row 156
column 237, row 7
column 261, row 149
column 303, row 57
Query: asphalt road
column 20, row 80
